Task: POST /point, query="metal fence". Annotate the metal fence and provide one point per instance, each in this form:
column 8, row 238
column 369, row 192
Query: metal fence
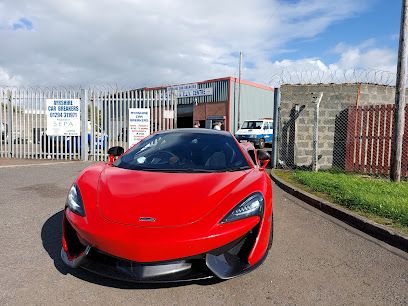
column 369, row 139
column 349, row 129
column 104, row 121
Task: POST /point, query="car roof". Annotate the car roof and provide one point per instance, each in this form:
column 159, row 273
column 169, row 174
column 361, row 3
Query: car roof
column 196, row 131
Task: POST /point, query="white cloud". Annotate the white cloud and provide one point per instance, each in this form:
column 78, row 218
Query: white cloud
column 145, row 43
column 365, row 55
column 9, row 80
column 364, row 62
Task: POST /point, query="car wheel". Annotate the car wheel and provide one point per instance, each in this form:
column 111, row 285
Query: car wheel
column 261, row 143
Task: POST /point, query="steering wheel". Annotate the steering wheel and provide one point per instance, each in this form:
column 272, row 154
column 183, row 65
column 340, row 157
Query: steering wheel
column 164, row 157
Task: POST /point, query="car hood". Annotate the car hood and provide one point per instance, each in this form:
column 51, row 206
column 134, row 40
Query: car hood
column 168, row 199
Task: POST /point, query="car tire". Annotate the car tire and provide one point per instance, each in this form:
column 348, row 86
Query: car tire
column 261, row 143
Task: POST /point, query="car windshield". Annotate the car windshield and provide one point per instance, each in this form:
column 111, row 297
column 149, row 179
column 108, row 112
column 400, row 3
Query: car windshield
column 182, row 151
column 252, row 125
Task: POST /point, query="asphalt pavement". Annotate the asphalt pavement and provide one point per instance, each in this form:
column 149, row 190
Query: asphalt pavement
column 315, row 259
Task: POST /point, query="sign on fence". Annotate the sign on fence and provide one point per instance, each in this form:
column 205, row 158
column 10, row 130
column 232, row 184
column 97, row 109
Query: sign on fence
column 139, row 124
column 85, row 122
column 63, row 117
column 168, row 114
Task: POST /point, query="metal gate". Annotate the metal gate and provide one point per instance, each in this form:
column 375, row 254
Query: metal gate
column 109, row 122
column 104, row 121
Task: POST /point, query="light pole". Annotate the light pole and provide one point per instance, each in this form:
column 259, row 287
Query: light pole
column 399, row 114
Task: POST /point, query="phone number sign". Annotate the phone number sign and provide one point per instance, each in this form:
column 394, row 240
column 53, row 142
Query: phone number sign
column 63, row 117
column 139, row 124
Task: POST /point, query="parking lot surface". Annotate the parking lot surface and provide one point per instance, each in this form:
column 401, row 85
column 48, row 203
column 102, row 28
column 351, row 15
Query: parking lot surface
column 315, row 259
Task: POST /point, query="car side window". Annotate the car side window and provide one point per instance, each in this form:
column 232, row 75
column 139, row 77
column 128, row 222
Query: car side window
column 252, row 154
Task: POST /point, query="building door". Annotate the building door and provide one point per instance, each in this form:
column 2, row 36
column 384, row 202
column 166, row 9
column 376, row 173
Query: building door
column 185, row 116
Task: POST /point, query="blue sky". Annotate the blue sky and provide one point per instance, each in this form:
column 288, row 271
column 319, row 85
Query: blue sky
column 146, row 43
column 379, row 20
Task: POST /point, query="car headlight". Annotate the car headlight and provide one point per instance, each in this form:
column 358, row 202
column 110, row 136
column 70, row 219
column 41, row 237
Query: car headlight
column 252, row 136
column 250, row 206
column 74, row 201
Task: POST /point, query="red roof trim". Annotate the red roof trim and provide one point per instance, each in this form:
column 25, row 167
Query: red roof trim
column 249, row 83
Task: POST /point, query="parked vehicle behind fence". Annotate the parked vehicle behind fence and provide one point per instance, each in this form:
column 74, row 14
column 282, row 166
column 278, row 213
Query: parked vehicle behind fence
column 259, row 132
column 4, row 132
column 68, row 144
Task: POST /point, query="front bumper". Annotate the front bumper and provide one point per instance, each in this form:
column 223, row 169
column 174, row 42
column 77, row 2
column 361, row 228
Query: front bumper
column 110, row 266
column 225, row 262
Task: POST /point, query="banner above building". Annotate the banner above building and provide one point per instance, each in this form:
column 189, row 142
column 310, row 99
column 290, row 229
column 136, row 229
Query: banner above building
column 189, row 90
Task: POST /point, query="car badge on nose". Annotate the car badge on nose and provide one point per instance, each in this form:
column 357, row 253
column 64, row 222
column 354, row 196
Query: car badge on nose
column 147, row 219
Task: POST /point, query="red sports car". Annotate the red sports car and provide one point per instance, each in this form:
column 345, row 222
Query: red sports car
column 180, row 205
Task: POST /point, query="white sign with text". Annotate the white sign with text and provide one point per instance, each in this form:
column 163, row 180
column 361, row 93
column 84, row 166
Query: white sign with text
column 63, row 117
column 139, row 124
column 189, row 90
column 168, row 114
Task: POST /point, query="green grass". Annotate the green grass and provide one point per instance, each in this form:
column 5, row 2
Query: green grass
column 379, row 199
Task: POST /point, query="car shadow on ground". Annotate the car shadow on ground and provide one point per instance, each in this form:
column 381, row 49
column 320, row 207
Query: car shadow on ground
column 51, row 240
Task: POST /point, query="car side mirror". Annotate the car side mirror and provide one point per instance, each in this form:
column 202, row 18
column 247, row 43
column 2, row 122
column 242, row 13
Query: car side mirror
column 263, row 158
column 115, row 152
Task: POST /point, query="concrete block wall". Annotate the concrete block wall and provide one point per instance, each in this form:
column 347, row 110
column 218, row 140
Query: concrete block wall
column 297, row 120
column 371, row 94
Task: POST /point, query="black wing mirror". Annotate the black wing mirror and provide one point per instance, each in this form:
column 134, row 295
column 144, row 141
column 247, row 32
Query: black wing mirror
column 264, row 158
column 116, row 151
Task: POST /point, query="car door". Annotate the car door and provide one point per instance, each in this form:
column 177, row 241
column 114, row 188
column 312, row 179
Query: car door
column 268, row 131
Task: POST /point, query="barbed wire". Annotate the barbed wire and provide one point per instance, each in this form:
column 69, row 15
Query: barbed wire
column 333, row 76
column 285, row 76
column 112, row 88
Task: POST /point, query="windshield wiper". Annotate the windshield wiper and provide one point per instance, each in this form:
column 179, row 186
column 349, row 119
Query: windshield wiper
column 159, row 170
column 238, row 168
column 189, row 170
column 177, row 170
column 200, row 170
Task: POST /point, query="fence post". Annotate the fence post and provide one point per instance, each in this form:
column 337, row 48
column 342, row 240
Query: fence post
column 175, row 100
column 316, row 101
column 84, row 124
column 10, row 124
column 276, row 104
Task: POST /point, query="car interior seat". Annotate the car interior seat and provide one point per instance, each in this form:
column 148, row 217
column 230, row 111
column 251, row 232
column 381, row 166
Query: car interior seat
column 217, row 160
